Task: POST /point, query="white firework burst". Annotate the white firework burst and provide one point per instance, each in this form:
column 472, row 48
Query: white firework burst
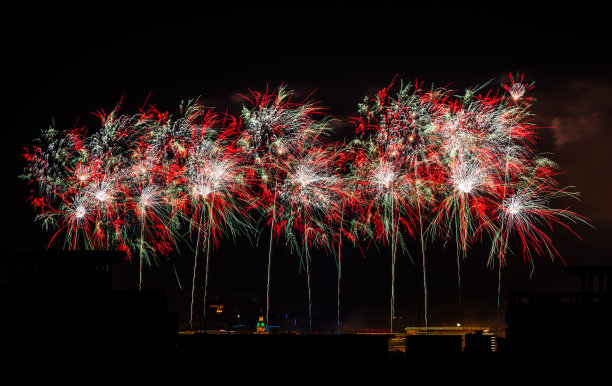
column 468, row 177
column 150, row 198
column 208, row 172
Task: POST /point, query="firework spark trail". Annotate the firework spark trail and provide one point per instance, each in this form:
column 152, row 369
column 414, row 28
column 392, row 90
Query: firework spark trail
column 427, row 164
column 472, row 132
column 307, row 260
column 500, row 135
column 313, row 186
column 393, row 259
column 179, row 141
column 275, row 125
column 517, row 88
column 147, row 196
column 126, row 181
column 524, row 211
column 273, row 129
column 312, row 195
column 403, row 132
column 386, row 190
column 269, row 278
column 74, row 216
column 339, row 276
column 208, row 237
column 150, row 208
column 345, row 226
column 422, row 239
column 463, row 149
column 216, row 178
column 339, row 262
column 193, row 281
column 142, row 253
column 516, row 91
column 468, row 183
column 93, row 168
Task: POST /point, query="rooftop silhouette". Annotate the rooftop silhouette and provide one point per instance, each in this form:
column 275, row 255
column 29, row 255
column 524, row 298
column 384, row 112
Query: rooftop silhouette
column 64, row 301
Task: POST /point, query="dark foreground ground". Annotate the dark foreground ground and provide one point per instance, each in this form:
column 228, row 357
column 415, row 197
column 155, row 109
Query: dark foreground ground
column 63, row 323
column 286, row 360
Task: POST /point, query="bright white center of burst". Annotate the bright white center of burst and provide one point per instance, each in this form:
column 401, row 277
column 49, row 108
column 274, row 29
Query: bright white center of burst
column 101, row 195
column 465, row 186
column 145, row 199
column 82, row 177
column 466, row 177
column 384, row 176
column 211, row 178
column 203, row 190
column 217, row 171
column 148, row 197
column 305, row 176
column 80, row 212
column 517, row 90
column 513, row 208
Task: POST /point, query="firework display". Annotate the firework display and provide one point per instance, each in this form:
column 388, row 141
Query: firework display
column 281, row 137
column 107, row 190
column 398, row 168
column 436, row 165
column 425, row 164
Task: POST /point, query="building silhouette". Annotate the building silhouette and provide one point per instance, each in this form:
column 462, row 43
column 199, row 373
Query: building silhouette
column 480, row 342
column 563, row 324
column 63, row 301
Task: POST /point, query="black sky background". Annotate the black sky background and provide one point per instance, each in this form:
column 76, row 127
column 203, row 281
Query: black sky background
column 63, row 66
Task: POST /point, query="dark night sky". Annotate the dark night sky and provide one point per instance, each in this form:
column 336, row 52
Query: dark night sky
column 64, row 67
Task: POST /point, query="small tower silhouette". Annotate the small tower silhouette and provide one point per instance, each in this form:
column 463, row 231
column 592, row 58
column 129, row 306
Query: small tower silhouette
column 261, row 326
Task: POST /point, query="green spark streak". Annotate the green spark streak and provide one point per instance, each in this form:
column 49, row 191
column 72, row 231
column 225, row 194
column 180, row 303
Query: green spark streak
column 208, row 237
column 307, row 256
column 195, row 264
column 270, row 258
column 393, row 256
column 424, row 270
column 142, row 225
column 339, row 280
